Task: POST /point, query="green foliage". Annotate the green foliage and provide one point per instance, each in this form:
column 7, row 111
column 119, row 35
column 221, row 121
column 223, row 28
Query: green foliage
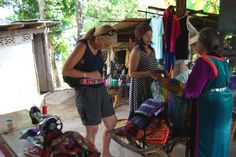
column 65, row 11
column 210, row 6
column 93, row 11
column 96, row 11
column 28, row 9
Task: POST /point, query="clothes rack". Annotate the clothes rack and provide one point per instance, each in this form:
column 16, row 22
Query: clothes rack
column 147, row 12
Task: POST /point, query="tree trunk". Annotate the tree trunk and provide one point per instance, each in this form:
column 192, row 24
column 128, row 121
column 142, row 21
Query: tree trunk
column 54, row 65
column 42, row 13
column 79, row 19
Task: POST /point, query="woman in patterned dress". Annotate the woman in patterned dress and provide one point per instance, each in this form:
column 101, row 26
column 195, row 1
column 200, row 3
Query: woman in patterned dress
column 208, row 85
column 142, row 64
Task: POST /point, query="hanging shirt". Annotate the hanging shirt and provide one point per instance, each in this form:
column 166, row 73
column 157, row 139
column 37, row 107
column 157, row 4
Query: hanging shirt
column 157, row 31
column 171, row 29
column 181, row 45
column 171, row 33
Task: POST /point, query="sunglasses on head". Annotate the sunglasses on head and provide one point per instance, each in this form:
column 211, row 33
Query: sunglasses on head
column 109, row 33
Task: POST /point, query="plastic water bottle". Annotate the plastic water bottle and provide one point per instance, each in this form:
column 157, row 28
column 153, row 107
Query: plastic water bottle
column 119, row 82
column 44, row 108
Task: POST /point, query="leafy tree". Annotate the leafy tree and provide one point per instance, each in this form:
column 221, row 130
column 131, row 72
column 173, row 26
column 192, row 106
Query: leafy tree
column 64, row 10
column 21, row 9
column 211, row 6
column 96, row 11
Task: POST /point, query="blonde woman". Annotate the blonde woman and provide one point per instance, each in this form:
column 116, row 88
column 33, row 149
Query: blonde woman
column 83, row 71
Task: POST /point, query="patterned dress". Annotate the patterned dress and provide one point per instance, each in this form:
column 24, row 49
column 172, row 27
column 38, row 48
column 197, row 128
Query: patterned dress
column 209, row 82
column 140, row 88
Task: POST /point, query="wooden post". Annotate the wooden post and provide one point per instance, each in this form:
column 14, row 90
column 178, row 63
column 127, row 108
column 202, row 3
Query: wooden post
column 180, row 7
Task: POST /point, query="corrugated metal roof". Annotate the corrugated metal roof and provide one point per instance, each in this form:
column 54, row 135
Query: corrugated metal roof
column 28, row 24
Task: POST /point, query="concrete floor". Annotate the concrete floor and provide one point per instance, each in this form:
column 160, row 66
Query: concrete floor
column 62, row 104
column 116, row 149
column 66, row 110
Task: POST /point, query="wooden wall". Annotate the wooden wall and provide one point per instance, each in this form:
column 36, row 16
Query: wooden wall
column 42, row 63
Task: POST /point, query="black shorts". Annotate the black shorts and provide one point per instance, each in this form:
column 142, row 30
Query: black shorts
column 93, row 104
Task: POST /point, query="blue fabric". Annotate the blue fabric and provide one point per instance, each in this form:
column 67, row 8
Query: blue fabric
column 169, row 60
column 150, row 107
column 157, row 31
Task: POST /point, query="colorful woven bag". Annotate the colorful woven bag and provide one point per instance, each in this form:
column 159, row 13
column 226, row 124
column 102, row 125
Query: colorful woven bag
column 156, row 133
column 70, row 144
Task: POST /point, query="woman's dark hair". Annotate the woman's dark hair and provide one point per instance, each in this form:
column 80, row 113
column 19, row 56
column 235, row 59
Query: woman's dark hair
column 208, row 37
column 140, row 45
column 140, row 30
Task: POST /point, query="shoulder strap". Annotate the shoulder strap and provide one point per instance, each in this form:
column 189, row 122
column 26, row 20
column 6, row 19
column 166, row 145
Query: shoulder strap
column 205, row 58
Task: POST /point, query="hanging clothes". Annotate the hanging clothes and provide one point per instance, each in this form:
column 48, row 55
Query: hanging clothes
column 120, row 57
column 108, row 61
column 112, row 55
column 157, row 32
column 171, row 33
column 181, row 45
column 192, row 37
column 127, row 57
column 192, row 30
column 171, row 29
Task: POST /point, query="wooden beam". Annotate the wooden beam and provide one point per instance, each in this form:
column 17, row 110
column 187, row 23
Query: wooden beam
column 10, row 27
column 125, row 20
column 190, row 10
column 180, row 7
column 204, row 19
column 109, row 21
column 156, row 8
column 147, row 12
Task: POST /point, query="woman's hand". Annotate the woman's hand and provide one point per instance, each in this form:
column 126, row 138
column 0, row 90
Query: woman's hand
column 157, row 76
column 93, row 75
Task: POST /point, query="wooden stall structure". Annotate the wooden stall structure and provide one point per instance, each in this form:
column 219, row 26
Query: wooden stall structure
column 24, row 63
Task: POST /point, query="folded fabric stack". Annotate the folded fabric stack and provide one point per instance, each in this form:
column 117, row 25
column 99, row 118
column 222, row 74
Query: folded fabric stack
column 156, row 133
